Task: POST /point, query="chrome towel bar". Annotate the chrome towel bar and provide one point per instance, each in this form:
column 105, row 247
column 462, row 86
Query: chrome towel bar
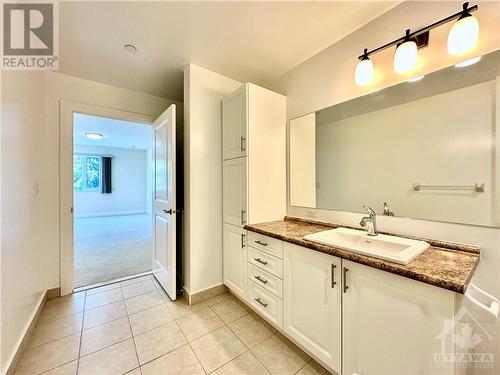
column 478, row 187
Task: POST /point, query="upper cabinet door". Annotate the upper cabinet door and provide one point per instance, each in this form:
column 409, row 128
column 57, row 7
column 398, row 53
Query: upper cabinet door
column 234, row 124
column 234, row 187
column 313, row 302
column 393, row 325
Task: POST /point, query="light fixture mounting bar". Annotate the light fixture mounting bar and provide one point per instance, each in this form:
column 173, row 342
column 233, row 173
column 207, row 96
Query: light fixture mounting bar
column 422, row 30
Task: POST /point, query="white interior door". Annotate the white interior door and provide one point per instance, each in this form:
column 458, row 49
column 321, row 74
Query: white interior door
column 164, row 208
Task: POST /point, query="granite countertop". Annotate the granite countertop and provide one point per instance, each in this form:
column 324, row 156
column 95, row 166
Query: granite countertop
column 445, row 265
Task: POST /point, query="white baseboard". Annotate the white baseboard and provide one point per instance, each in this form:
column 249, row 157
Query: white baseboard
column 111, row 213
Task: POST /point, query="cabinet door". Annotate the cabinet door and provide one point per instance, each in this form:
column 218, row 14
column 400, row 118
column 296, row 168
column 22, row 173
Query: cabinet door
column 313, row 302
column 392, row 325
column 235, row 259
column 234, row 124
column 234, row 191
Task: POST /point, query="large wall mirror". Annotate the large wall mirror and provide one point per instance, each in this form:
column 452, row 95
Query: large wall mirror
column 428, row 148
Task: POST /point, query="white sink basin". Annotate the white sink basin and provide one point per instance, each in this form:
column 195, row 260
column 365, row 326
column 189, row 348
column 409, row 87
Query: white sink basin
column 391, row 248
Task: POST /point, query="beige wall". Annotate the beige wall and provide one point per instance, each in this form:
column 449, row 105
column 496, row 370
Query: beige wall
column 26, row 189
column 30, row 184
column 203, row 93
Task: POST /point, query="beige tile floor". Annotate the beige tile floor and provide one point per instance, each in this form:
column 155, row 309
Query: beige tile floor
column 133, row 328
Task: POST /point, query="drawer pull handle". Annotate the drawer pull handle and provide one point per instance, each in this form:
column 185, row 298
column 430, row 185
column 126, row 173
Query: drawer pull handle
column 260, row 302
column 333, row 276
column 260, row 261
column 243, row 146
column 261, row 243
column 263, row 281
column 345, row 279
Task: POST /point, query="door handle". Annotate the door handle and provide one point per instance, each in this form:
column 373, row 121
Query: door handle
column 333, row 276
column 242, row 241
column 345, row 279
column 242, row 216
column 171, row 211
column 242, row 143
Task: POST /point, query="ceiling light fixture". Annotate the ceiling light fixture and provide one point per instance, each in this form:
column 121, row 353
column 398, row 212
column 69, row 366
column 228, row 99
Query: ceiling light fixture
column 130, row 48
column 462, row 38
column 469, row 62
column 94, row 136
column 405, row 58
column 464, row 33
column 364, row 70
column 415, row 79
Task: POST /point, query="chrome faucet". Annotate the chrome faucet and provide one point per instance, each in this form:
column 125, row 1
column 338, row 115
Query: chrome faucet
column 387, row 212
column 370, row 221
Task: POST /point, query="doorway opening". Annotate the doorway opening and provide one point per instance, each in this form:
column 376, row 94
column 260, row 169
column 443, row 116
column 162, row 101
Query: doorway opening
column 112, row 191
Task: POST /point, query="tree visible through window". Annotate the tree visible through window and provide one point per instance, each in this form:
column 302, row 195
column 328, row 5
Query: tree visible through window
column 86, row 172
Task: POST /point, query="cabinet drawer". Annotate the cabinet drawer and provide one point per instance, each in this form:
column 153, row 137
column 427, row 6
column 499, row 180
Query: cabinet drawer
column 270, row 306
column 267, row 281
column 265, row 261
column 268, row 244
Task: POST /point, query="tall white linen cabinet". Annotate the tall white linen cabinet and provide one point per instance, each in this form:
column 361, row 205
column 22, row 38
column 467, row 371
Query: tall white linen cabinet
column 254, row 172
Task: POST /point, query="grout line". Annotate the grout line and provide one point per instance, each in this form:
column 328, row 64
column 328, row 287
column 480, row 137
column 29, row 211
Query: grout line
column 224, row 324
column 54, row 368
column 81, row 336
column 118, row 280
column 133, row 338
column 106, row 347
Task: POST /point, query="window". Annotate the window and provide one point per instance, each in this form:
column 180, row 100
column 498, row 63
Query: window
column 86, row 173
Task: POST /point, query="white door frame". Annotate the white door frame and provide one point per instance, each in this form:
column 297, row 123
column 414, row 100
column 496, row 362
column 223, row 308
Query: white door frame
column 66, row 111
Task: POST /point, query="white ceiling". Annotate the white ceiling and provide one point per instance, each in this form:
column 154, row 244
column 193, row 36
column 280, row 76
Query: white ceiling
column 117, row 133
column 250, row 41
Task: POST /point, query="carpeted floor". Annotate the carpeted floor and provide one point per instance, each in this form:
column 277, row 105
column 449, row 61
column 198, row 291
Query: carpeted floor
column 110, row 247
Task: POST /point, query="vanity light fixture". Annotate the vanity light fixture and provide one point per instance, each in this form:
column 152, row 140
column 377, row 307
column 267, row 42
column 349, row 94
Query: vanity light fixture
column 94, row 136
column 462, row 38
column 415, row 79
column 364, row 70
column 464, row 33
column 469, row 62
column 405, row 58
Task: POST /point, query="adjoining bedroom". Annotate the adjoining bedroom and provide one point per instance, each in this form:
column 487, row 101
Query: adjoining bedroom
column 112, row 199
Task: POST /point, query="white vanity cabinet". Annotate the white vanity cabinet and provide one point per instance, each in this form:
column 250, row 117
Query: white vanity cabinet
column 312, row 300
column 392, row 325
column 235, row 259
column 254, row 171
